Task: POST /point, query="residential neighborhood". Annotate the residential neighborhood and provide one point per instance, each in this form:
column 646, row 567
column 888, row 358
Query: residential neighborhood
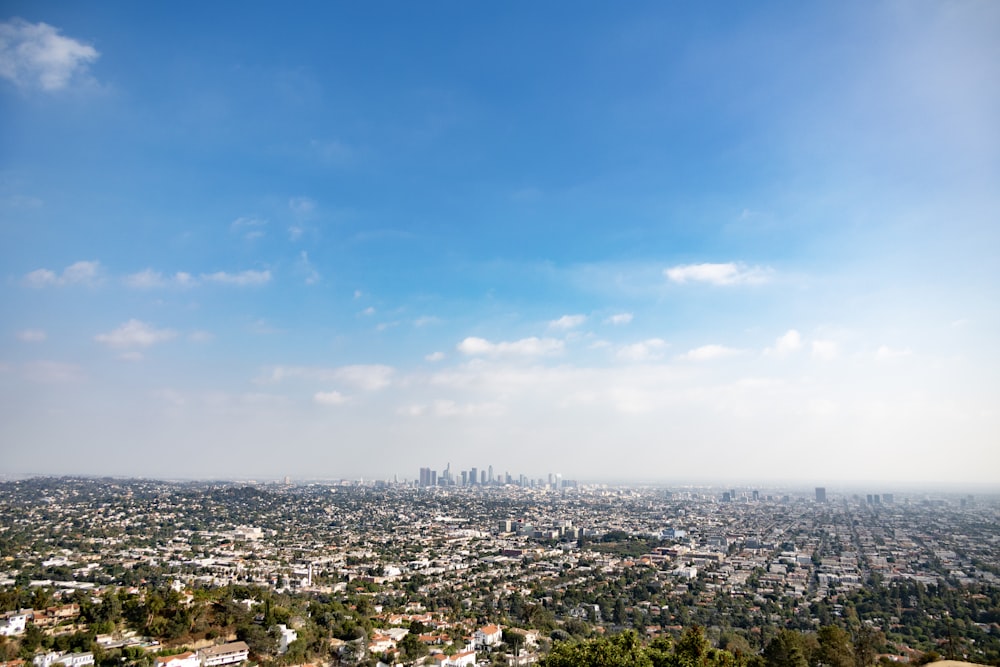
column 206, row 574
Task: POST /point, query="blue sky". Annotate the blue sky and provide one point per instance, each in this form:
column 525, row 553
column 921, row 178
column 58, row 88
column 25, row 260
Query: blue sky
column 722, row 242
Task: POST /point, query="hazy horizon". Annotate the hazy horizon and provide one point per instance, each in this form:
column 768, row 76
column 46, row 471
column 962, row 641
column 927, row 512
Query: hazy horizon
column 692, row 242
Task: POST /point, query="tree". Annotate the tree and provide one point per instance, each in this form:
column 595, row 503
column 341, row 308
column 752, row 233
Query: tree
column 622, row 650
column 413, row 647
column 835, row 648
column 515, row 639
column 867, row 642
column 786, row 650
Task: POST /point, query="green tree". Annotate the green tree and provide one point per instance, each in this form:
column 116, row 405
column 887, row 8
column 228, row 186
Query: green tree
column 835, row 648
column 515, row 639
column 622, row 650
column 867, row 642
column 412, row 647
column 786, row 650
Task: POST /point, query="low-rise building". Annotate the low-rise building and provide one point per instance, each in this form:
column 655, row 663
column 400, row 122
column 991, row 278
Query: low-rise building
column 188, row 659
column 224, row 654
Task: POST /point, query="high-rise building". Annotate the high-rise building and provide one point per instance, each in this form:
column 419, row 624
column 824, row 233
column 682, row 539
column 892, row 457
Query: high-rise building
column 489, row 478
column 820, row 494
column 473, row 476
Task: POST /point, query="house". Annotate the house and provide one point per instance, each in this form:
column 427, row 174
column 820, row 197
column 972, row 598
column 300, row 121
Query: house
column 188, row 659
column 487, row 636
column 463, row 659
column 285, row 637
column 379, row 643
column 225, row 654
column 68, row 659
column 13, row 624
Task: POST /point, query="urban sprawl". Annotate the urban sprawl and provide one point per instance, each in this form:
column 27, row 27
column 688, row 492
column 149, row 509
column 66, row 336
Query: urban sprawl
column 476, row 567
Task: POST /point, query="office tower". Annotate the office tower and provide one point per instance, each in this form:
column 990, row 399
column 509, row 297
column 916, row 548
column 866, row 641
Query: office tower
column 489, row 478
column 820, row 494
column 473, row 476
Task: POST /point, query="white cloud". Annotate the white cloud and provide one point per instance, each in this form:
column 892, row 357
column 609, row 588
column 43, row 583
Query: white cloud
column 526, row 347
column 79, row 273
column 425, row 320
column 302, row 205
column 135, row 334
column 366, row 377
column 435, row 356
column 826, row 350
column 709, row 353
column 201, row 336
column 31, row 335
column 240, row 279
column 568, row 322
column 370, row 310
column 886, row 353
column 35, row 55
column 647, row 350
column 250, row 228
column 330, row 398
column 450, row 408
column 730, row 273
column 52, row 372
column 619, row 318
column 184, row 279
column 145, row 279
column 789, row 342
column 41, row 278
column 150, row 279
column 312, row 275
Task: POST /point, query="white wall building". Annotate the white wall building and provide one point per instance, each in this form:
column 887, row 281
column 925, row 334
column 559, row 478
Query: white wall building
column 285, row 637
column 13, row 625
column 225, row 654
column 68, row 659
column 189, row 659
column 487, row 636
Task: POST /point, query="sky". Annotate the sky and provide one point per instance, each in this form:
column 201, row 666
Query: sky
column 743, row 242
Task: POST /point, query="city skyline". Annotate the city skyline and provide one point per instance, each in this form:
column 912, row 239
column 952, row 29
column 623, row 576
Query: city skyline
column 644, row 242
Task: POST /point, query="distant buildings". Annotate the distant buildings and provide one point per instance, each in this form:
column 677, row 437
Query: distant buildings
column 821, row 494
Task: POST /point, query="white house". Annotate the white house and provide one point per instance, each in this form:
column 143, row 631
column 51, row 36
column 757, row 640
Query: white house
column 463, row 659
column 225, row 654
column 13, row 624
column 285, row 637
column 68, row 659
column 487, row 636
